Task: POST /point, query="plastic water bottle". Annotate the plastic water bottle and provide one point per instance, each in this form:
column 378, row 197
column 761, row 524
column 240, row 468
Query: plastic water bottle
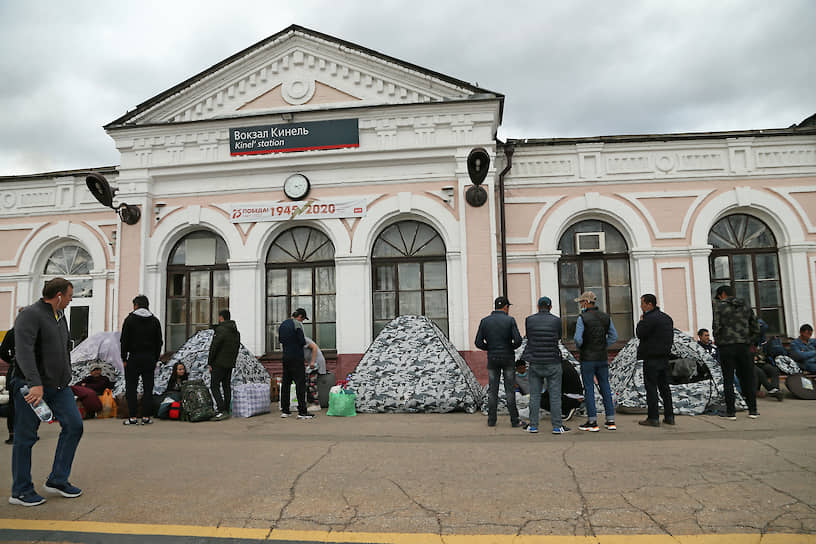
column 42, row 410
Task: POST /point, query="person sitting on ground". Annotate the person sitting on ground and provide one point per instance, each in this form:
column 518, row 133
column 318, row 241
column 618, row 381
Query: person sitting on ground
column 803, row 349
column 704, row 341
column 767, row 375
column 177, row 378
column 522, row 383
column 97, row 381
column 572, row 392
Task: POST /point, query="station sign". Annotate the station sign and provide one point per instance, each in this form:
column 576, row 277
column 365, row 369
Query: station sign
column 306, row 136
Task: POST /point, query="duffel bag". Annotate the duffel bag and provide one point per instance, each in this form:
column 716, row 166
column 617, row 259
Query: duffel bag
column 250, row 399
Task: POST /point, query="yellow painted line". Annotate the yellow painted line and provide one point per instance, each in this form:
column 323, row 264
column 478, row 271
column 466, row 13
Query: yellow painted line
column 390, row 538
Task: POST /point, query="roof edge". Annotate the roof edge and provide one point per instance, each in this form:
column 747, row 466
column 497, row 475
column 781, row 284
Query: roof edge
column 150, row 102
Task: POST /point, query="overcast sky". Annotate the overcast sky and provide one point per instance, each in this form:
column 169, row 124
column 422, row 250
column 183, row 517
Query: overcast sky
column 567, row 68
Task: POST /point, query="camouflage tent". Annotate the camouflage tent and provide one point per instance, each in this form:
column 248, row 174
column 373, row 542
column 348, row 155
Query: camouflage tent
column 412, row 367
column 194, row 354
column 99, row 350
column 697, row 397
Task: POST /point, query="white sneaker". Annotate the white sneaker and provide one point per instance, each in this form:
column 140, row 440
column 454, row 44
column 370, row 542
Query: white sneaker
column 306, row 416
column 285, row 414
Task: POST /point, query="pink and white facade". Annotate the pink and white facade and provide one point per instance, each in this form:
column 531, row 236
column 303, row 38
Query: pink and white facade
column 412, row 244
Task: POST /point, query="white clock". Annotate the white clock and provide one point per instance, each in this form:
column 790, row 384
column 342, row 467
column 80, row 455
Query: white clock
column 296, row 186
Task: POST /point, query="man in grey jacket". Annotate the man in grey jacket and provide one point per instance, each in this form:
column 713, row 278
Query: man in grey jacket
column 42, row 344
column 544, row 359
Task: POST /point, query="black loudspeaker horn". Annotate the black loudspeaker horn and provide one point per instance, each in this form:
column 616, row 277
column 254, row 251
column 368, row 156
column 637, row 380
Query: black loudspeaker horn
column 100, row 189
column 129, row 214
column 478, row 163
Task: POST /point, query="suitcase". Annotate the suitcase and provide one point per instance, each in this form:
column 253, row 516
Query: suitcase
column 324, row 383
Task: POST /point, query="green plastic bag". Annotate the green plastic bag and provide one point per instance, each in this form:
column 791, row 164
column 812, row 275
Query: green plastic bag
column 342, row 404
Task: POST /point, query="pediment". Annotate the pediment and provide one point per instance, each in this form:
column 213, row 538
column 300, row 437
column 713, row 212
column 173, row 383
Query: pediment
column 297, row 69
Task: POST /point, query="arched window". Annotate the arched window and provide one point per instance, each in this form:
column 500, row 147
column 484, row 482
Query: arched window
column 300, row 274
column 595, row 257
column 197, row 286
column 409, row 274
column 74, row 264
column 745, row 256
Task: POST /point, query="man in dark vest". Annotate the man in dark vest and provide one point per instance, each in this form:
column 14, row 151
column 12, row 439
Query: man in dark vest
column 594, row 333
column 498, row 334
column 544, row 357
column 291, row 336
column 655, row 330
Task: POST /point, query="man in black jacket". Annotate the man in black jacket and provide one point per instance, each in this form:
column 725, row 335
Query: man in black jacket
column 655, row 330
column 223, row 352
column 7, row 354
column 42, row 350
column 141, row 344
column 498, row 334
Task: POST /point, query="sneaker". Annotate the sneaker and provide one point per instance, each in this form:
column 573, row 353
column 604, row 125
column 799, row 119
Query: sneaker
column 591, row 426
column 731, row 417
column 131, row 421
column 773, row 391
column 530, row 429
column 569, row 414
column 31, row 499
column 147, row 421
column 306, row 416
column 220, row 416
column 753, row 415
column 610, row 426
column 561, row 430
column 285, row 414
column 66, row 489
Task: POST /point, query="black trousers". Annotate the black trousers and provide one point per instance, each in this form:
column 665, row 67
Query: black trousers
column 293, row 370
column 766, row 376
column 737, row 358
column 220, row 379
column 144, row 366
column 656, row 378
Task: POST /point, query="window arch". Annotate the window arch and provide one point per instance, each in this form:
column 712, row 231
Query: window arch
column 745, row 256
column 73, row 263
column 197, row 286
column 300, row 274
column 595, row 257
column 409, row 274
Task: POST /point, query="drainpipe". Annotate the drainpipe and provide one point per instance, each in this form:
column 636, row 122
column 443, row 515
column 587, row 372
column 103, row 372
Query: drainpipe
column 508, row 153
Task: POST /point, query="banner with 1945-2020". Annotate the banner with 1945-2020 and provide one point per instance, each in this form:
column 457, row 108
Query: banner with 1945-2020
column 285, row 211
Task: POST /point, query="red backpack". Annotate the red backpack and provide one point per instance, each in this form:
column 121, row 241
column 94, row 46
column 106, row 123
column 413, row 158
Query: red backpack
column 175, row 410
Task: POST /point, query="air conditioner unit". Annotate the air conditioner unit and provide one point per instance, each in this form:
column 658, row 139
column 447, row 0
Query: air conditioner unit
column 590, row 242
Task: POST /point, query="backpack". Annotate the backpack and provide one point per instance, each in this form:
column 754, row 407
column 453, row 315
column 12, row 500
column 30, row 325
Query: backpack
column 175, row 410
column 774, row 347
column 196, row 402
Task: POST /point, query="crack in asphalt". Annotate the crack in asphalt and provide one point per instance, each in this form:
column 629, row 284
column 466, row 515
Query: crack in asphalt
column 585, row 514
column 437, row 515
column 292, row 492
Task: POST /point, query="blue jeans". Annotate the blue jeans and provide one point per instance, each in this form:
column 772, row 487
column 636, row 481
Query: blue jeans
column 63, row 406
column 589, row 371
column 494, row 374
column 552, row 375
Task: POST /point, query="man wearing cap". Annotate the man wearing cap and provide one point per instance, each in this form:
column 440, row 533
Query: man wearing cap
column 594, row 333
column 544, row 357
column 291, row 336
column 498, row 334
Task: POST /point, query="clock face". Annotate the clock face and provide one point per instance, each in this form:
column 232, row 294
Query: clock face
column 296, row 186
